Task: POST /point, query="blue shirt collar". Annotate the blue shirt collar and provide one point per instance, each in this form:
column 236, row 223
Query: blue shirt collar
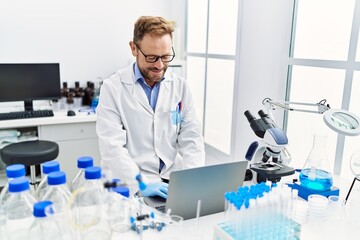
column 139, row 77
column 137, row 73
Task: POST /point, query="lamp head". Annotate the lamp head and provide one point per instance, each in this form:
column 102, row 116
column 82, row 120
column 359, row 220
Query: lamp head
column 342, row 122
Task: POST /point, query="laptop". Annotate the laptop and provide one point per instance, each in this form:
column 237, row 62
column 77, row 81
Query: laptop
column 208, row 184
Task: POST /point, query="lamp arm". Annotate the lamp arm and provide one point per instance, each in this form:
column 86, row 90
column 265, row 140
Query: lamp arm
column 272, row 104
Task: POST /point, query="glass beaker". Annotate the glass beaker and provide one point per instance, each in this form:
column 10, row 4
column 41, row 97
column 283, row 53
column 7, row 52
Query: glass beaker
column 316, row 173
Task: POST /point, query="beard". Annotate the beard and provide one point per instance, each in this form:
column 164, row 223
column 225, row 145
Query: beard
column 153, row 77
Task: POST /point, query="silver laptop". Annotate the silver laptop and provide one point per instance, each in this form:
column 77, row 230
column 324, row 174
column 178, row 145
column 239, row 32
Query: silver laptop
column 208, row 184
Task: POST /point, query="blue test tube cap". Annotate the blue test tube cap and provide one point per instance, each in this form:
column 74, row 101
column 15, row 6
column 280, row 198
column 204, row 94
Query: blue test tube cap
column 93, row 173
column 19, row 184
column 52, row 166
column 247, row 202
column 15, row 171
column 40, row 208
column 124, row 191
column 227, row 196
column 85, row 161
column 56, row 178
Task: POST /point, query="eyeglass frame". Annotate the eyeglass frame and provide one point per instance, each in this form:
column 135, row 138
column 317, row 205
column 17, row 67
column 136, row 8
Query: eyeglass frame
column 156, row 57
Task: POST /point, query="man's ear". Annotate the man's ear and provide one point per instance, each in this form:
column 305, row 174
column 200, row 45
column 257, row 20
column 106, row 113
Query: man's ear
column 133, row 48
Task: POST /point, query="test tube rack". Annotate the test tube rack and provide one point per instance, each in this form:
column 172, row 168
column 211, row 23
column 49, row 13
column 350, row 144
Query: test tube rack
column 263, row 211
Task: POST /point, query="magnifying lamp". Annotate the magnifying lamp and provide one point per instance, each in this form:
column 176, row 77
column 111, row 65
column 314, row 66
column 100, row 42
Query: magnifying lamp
column 339, row 120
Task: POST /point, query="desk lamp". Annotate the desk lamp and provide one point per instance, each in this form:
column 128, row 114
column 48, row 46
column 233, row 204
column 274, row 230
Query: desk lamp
column 339, row 120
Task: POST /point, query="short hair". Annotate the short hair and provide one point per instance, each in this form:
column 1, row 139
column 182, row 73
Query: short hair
column 157, row 26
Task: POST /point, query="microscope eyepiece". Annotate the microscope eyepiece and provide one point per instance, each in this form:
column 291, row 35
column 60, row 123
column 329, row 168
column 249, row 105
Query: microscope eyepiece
column 263, row 114
column 249, row 116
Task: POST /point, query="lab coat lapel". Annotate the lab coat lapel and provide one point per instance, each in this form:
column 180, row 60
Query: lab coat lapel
column 164, row 89
column 136, row 89
column 163, row 93
column 140, row 96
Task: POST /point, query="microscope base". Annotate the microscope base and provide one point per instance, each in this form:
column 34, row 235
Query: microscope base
column 305, row 192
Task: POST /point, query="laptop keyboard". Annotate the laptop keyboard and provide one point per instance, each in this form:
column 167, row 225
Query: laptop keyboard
column 160, row 208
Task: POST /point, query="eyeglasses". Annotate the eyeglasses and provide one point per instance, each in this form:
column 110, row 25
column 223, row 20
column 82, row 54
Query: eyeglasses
column 154, row 58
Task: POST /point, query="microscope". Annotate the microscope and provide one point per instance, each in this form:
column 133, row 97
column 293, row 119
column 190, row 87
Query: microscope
column 269, row 154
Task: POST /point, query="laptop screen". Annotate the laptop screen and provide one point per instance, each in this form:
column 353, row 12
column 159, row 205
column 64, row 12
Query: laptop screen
column 207, row 184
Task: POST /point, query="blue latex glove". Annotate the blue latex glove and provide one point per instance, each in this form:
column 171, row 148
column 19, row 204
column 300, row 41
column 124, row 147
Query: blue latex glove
column 155, row 189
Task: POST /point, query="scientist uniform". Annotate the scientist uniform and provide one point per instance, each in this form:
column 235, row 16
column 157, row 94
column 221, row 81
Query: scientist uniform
column 133, row 136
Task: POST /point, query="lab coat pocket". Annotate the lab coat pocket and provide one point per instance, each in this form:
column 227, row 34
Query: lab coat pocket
column 176, row 117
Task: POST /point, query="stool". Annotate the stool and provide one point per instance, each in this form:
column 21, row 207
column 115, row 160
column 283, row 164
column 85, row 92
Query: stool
column 30, row 153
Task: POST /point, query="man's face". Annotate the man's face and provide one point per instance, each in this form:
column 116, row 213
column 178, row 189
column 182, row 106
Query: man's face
column 152, row 45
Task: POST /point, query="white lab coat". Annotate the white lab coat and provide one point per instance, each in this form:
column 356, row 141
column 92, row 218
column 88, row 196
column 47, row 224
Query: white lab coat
column 132, row 136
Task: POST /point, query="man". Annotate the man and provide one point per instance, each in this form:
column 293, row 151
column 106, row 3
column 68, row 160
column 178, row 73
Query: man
column 146, row 118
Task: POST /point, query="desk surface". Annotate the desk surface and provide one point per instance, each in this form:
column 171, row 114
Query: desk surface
column 58, row 118
column 340, row 227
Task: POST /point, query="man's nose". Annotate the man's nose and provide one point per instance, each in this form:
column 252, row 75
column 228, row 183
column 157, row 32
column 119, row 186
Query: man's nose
column 159, row 63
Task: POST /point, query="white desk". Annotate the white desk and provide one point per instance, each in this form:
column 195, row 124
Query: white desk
column 341, row 227
column 75, row 135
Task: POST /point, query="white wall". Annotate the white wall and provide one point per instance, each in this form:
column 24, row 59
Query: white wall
column 263, row 50
column 263, row 53
column 89, row 38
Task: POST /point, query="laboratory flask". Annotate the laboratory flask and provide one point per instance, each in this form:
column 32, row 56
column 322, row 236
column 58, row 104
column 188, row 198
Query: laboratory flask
column 18, row 209
column 117, row 208
column 316, row 173
column 57, row 191
column 47, row 167
column 59, row 194
column 3, row 235
column 79, row 180
column 12, row 171
column 88, row 207
column 44, row 227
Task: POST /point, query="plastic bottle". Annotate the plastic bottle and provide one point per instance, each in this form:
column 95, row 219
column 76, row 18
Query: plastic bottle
column 3, row 235
column 82, row 163
column 95, row 98
column 57, row 191
column 89, row 208
column 12, row 171
column 117, row 204
column 47, row 167
column 44, row 227
column 18, row 209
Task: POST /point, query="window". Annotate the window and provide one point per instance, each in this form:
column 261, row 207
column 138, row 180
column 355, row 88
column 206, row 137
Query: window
column 322, row 65
column 210, row 54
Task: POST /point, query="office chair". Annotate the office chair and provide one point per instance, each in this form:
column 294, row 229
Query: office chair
column 30, row 153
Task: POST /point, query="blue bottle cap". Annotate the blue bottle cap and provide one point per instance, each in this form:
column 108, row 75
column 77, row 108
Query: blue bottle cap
column 19, row 184
column 123, row 191
column 84, row 162
column 40, row 208
column 15, row 170
column 56, row 178
column 92, row 173
column 52, row 166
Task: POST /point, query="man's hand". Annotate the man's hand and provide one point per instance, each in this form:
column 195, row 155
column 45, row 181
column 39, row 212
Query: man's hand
column 155, row 189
